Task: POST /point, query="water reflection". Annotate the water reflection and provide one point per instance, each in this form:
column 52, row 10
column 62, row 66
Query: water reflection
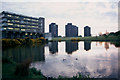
column 53, row 47
column 71, row 47
column 106, row 45
column 19, row 54
column 87, row 45
column 98, row 62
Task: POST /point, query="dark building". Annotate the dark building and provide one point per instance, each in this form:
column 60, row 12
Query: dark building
column 71, row 30
column 53, row 47
column 87, row 45
column 71, row 47
column 87, row 31
column 21, row 26
column 53, row 29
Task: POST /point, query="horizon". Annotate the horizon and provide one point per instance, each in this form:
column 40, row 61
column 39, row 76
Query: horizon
column 91, row 14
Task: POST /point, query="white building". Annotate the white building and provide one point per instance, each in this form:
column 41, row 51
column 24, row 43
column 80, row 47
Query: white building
column 48, row 36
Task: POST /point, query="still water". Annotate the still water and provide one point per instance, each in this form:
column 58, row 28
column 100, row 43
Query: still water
column 96, row 59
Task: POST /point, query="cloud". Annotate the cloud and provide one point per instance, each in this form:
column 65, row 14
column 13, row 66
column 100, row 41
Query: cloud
column 101, row 16
column 60, row 0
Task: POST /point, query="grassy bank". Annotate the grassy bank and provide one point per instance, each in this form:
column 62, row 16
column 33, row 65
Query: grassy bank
column 96, row 38
column 19, row 71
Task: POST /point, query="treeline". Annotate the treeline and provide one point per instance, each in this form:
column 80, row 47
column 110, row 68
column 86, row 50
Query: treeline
column 113, row 34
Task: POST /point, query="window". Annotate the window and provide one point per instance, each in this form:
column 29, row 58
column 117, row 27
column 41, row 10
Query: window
column 9, row 15
column 28, row 26
column 22, row 25
column 26, row 33
column 22, row 29
column 28, row 29
column 22, row 21
column 16, row 20
column 10, row 28
column 41, row 24
column 10, row 23
column 16, row 28
column 16, row 17
column 2, row 29
column 30, row 33
column 28, row 19
column 8, row 20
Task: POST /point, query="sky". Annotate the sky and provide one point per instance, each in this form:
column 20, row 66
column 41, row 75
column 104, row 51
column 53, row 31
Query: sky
column 99, row 15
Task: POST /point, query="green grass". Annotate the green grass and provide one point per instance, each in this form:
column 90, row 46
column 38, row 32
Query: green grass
column 96, row 38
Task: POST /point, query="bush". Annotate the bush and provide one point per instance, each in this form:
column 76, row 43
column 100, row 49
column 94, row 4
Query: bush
column 34, row 71
column 59, row 40
column 7, row 60
column 10, row 42
column 22, row 69
column 75, row 39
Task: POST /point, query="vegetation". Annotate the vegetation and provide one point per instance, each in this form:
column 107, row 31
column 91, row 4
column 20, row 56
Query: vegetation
column 110, row 37
column 26, row 41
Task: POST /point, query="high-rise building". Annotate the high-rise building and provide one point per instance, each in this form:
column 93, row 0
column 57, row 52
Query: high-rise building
column 71, row 30
column 53, row 29
column 20, row 26
column 87, row 31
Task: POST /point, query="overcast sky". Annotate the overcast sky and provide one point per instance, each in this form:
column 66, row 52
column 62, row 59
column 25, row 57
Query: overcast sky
column 100, row 16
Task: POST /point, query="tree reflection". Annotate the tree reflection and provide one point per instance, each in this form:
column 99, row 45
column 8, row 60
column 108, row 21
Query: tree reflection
column 21, row 53
column 106, row 45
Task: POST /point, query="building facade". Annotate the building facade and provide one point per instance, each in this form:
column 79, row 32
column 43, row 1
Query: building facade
column 53, row 29
column 20, row 26
column 71, row 30
column 87, row 31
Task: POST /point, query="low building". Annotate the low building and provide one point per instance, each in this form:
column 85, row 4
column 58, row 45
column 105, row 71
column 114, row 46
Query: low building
column 20, row 26
column 48, row 36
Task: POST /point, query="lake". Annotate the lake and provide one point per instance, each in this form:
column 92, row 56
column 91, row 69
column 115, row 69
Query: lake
column 96, row 59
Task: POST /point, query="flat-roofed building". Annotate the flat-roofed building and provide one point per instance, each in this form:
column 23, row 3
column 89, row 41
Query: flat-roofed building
column 71, row 30
column 20, row 26
column 48, row 36
column 87, row 31
column 53, row 29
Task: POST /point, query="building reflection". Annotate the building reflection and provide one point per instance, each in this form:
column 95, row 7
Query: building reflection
column 106, row 45
column 100, row 43
column 87, row 45
column 21, row 53
column 53, row 47
column 71, row 47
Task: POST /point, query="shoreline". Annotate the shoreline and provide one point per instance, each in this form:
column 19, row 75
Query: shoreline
column 97, row 38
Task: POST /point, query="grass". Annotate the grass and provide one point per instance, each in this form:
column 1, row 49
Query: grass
column 96, row 38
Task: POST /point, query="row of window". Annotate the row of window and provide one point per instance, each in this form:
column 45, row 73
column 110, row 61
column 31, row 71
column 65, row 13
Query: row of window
column 9, row 28
column 22, row 22
column 18, row 25
column 21, row 17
